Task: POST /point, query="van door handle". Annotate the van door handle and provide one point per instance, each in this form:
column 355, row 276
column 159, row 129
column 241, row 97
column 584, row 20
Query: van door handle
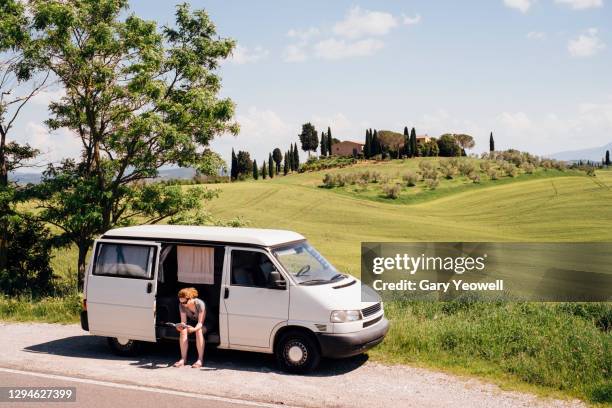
column 226, row 293
column 149, row 287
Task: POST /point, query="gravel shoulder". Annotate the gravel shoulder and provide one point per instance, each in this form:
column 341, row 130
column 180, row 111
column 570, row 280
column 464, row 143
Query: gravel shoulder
column 67, row 350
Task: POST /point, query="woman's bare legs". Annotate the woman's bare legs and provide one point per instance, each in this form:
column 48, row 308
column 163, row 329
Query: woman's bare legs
column 184, row 343
column 200, row 346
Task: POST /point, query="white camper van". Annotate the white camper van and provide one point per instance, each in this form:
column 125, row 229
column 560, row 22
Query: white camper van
column 265, row 290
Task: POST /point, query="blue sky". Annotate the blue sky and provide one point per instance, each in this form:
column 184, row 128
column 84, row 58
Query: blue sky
column 535, row 72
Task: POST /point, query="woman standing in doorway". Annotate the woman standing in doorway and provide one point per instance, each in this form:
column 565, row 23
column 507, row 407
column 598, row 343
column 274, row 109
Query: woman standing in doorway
column 193, row 312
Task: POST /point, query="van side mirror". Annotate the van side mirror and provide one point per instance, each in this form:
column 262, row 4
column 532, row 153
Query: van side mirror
column 276, row 281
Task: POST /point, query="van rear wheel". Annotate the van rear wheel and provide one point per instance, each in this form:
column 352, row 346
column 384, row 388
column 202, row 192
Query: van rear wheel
column 124, row 347
column 297, row 352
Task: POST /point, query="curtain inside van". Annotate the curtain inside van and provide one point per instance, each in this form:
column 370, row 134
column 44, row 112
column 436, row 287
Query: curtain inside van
column 196, row 264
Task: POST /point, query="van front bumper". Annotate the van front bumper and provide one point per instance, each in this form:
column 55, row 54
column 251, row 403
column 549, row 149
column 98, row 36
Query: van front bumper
column 350, row 344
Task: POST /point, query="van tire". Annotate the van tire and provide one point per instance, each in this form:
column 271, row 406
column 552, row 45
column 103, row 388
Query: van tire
column 129, row 349
column 297, row 352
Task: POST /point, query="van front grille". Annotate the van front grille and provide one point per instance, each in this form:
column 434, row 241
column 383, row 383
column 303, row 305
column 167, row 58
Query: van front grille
column 371, row 322
column 370, row 310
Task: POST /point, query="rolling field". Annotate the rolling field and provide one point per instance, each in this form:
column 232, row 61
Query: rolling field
column 567, row 208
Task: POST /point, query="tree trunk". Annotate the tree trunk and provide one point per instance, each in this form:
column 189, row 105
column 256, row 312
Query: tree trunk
column 82, row 260
column 4, row 206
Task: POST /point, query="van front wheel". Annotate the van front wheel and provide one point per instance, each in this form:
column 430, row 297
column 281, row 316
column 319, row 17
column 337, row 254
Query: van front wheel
column 297, row 353
column 124, row 347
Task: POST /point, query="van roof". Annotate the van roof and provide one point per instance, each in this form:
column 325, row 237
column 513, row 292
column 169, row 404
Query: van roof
column 253, row 236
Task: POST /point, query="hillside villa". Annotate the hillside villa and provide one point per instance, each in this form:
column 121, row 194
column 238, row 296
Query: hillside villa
column 390, row 139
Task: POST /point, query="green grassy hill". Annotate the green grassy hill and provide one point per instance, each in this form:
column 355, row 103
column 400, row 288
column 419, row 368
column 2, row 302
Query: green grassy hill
column 535, row 208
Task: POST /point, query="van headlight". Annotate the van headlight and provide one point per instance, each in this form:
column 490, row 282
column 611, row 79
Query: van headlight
column 342, row 316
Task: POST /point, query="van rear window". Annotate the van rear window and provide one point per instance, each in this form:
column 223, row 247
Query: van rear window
column 124, row 261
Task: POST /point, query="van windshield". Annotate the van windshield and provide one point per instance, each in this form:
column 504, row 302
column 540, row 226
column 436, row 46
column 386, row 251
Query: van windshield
column 306, row 265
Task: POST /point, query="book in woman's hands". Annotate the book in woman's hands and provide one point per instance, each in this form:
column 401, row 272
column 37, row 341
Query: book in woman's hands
column 180, row 326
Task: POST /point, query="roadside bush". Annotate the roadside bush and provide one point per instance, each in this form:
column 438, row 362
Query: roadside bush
column 29, row 247
column 410, row 179
column 391, row 190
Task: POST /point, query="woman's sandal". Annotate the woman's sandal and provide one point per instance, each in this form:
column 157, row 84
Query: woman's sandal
column 197, row 364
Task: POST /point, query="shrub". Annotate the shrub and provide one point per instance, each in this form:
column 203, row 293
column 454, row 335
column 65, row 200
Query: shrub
column 410, row 178
column 485, row 165
column 475, row 177
column 509, row 169
column 528, row 168
column 493, row 174
column 391, row 190
column 466, row 168
column 328, row 181
column 432, row 184
column 448, row 169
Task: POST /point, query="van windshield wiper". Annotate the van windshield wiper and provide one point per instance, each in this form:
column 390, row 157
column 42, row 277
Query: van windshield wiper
column 314, row 281
column 336, row 276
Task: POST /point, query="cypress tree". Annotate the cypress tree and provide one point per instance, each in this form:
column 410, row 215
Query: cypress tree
column 270, row 166
column 296, row 158
column 375, row 144
column 255, row 170
column 323, row 144
column 366, row 146
column 607, row 157
column 407, row 149
column 264, row 171
column 234, row 166
column 491, row 143
column 329, row 142
column 286, row 165
column 290, row 159
column 414, row 151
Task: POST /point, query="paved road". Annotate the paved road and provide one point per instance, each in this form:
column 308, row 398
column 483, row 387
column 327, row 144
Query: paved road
column 248, row 377
column 100, row 394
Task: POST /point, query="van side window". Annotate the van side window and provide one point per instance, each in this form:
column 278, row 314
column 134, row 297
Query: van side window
column 251, row 268
column 124, row 261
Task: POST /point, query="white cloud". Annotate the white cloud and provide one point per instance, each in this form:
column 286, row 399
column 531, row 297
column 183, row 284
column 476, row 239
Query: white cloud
column 244, row 55
column 581, row 4
column 354, row 36
column 54, row 146
column 342, row 127
column 304, row 35
column 536, row 35
column 407, row 20
column 522, row 5
column 587, row 44
column 360, row 23
column 334, row 49
column 48, row 95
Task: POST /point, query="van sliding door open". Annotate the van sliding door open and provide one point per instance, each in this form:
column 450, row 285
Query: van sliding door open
column 121, row 289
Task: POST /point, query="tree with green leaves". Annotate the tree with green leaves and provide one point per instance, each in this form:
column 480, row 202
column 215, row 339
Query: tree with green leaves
column 323, row 144
column 285, row 164
column 448, row 146
column 330, row 141
column 309, row 138
column 607, row 157
column 255, row 170
column 234, row 166
column 376, row 146
column 138, row 97
column 366, row 145
column 407, row 149
column 465, row 141
column 491, row 143
column 244, row 164
column 414, row 148
column 264, row 170
column 22, row 236
column 270, row 166
column 289, row 156
column 277, row 155
column 296, row 158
